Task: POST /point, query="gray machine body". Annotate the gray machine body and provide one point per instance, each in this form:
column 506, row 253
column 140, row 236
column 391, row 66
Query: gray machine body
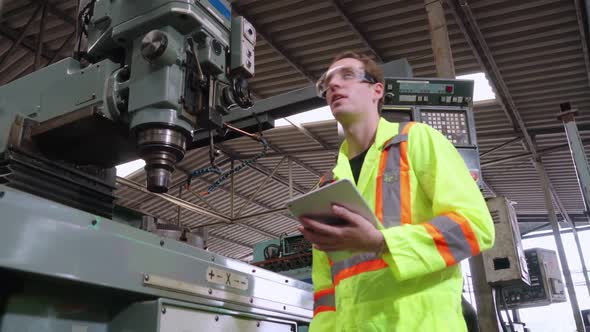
column 71, row 269
column 153, row 74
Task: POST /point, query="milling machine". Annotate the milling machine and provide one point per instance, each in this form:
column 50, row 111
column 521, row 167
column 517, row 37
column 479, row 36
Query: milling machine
column 156, row 79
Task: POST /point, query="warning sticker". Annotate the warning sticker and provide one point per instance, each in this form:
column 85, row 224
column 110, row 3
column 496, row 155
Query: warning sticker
column 227, row 278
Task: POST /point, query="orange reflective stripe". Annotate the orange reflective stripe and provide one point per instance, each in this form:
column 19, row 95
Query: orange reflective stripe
column 323, row 292
column 467, row 231
column 379, row 192
column 440, row 243
column 323, row 308
column 363, row 267
column 406, row 199
column 408, row 127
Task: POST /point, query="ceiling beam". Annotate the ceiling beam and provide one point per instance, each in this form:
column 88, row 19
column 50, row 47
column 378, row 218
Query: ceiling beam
column 310, row 135
column 274, row 45
column 222, row 187
column 21, row 36
column 261, row 169
column 13, row 35
column 191, row 207
column 234, row 221
column 562, row 231
column 292, row 154
column 167, row 221
column 499, row 147
column 14, row 12
column 528, row 155
column 297, row 161
column 58, row 13
column 549, row 130
column 468, row 26
column 225, row 239
column 61, row 48
column 341, row 10
column 241, row 223
column 40, row 37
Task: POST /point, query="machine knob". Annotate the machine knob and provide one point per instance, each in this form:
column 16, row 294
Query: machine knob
column 389, row 98
column 153, row 45
column 240, row 93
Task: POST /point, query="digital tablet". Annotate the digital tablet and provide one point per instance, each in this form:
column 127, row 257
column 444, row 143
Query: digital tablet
column 317, row 204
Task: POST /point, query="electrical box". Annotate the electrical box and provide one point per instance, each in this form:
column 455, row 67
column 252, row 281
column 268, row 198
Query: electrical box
column 287, row 245
column 290, row 256
column 243, row 42
column 546, row 283
column 505, row 263
column 295, row 244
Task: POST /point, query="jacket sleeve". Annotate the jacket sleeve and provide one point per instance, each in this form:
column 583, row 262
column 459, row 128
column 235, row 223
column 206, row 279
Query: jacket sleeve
column 324, row 306
column 462, row 226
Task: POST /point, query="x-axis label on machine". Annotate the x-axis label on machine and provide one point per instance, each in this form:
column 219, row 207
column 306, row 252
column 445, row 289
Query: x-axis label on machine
column 227, row 278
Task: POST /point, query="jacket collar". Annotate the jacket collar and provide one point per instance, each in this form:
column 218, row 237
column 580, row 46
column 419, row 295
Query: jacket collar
column 385, row 131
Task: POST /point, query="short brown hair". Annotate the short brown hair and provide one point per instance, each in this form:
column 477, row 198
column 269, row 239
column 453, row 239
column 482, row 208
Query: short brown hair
column 370, row 65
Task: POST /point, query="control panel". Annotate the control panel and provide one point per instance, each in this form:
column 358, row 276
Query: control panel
column 435, row 92
column 453, row 124
column 444, row 104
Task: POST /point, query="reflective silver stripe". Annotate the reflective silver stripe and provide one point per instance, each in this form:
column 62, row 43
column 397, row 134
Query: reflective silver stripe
column 454, row 237
column 328, row 300
column 391, row 189
column 350, row 262
column 396, row 140
column 390, row 181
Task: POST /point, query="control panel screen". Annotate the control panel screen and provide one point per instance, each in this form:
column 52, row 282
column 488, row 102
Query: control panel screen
column 428, row 91
column 425, row 87
column 451, row 124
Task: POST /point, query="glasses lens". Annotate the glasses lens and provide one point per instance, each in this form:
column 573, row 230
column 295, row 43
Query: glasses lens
column 342, row 73
column 320, row 86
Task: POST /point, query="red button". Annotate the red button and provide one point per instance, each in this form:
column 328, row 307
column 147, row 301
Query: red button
column 449, row 88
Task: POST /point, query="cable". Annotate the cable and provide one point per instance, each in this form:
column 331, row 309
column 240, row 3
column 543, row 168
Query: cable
column 498, row 312
column 84, row 17
column 199, row 172
column 257, row 137
column 238, row 168
column 243, row 132
column 506, row 308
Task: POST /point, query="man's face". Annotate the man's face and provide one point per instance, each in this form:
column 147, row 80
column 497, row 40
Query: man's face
column 351, row 99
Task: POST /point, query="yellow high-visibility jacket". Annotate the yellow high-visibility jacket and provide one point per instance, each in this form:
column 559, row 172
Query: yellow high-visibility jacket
column 433, row 216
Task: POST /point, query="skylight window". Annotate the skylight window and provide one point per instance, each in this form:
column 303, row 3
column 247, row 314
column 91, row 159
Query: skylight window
column 129, row 168
column 482, row 89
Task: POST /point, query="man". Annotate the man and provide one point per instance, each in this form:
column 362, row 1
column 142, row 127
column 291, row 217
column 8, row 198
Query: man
column 408, row 277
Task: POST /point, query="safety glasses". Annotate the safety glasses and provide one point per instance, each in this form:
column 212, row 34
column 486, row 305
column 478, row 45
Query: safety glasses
column 348, row 74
